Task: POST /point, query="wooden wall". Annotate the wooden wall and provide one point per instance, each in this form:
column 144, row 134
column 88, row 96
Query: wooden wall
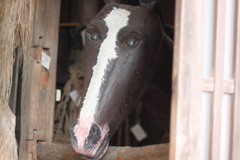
column 205, row 100
column 38, row 88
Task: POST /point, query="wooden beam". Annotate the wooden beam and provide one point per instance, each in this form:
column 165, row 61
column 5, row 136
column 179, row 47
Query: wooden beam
column 38, row 91
column 47, row 151
column 186, row 101
column 218, row 68
column 208, row 85
column 72, row 24
column 235, row 139
column 68, row 24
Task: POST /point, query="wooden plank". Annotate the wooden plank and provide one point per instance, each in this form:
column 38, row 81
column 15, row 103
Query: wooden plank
column 208, row 85
column 38, row 92
column 174, row 105
column 235, row 141
column 69, row 24
column 47, row 151
column 187, row 81
column 228, row 86
column 218, row 78
column 47, row 26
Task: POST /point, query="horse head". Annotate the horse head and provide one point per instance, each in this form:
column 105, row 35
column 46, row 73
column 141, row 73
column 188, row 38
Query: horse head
column 122, row 52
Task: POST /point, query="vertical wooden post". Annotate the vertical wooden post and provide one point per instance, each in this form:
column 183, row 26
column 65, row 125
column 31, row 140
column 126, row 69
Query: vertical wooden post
column 223, row 112
column 38, row 92
column 187, row 81
column 235, row 141
column 218, row 77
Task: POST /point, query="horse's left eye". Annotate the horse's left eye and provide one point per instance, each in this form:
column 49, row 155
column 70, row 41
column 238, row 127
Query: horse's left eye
column 131, row 42
column 95, row 36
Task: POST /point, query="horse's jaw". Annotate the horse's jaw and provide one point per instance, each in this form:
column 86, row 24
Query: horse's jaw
column 89, row 142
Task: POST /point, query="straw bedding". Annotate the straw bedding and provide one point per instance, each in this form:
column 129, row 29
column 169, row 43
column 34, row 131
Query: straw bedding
column 16, row 17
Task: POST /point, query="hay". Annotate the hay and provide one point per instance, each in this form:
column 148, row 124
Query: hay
column 66, row 111
column 16, row 17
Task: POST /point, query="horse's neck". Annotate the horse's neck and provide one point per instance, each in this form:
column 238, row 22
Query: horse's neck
column 157, row 100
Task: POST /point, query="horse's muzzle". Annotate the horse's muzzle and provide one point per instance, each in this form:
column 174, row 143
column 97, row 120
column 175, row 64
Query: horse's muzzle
column 94, row 146
column 101, row 150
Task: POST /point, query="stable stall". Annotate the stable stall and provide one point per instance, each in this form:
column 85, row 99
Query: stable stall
column 38, row 60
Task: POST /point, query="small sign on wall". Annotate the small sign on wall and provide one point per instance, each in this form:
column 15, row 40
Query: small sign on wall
column 45, row 60
column 74, row 95
column 138, row 132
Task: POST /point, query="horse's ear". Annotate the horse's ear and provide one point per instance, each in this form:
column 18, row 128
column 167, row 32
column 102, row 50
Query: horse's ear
column 153, row 5
column 116, row 1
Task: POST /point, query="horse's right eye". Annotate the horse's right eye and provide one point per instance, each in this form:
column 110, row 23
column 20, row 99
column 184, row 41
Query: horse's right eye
column 95, row 36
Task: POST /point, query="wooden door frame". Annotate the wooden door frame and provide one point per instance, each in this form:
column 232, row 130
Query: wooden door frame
column 38, row 88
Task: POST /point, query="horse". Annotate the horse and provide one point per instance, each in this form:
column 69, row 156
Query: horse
column 128, row 59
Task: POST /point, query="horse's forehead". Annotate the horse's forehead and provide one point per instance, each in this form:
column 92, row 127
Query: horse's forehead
column 136, row 12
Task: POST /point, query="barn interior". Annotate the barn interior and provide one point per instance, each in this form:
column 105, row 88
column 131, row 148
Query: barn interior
column 42, row 59
column 44, row 107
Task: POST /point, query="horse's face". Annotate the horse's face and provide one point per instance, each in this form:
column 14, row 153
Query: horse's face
column 121, row 42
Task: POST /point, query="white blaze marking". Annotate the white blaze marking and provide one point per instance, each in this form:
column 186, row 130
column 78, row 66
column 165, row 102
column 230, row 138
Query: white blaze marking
column 115, row 20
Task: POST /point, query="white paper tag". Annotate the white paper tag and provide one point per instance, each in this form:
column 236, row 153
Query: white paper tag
column 138, row 132
column 45, row 60
column 74, row 95
column 83, row 36
column 58, row 95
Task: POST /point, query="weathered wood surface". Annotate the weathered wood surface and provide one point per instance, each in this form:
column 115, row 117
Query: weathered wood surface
column 228, row 85
column 221, row 118
column 49, row 151
column 187, row 81
column 235, row 139
column 38, row 92
column 218, row 69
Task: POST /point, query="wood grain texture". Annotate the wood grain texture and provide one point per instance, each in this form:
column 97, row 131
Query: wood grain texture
column 187, row 81
column 49, row 151
column 235, row 141
column 38, row 92
column 218, row 64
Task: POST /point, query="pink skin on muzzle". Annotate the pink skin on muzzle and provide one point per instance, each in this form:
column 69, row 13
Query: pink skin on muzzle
column 82, row 131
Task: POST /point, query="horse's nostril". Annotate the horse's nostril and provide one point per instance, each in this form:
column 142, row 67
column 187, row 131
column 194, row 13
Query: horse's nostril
column 93, row 137
column 94, row 130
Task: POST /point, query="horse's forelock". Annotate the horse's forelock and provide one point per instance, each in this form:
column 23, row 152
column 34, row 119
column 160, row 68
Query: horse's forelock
column 138, row 2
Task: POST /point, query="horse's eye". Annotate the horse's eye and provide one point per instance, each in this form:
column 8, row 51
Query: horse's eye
column 131, row 42
column 95, row 36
